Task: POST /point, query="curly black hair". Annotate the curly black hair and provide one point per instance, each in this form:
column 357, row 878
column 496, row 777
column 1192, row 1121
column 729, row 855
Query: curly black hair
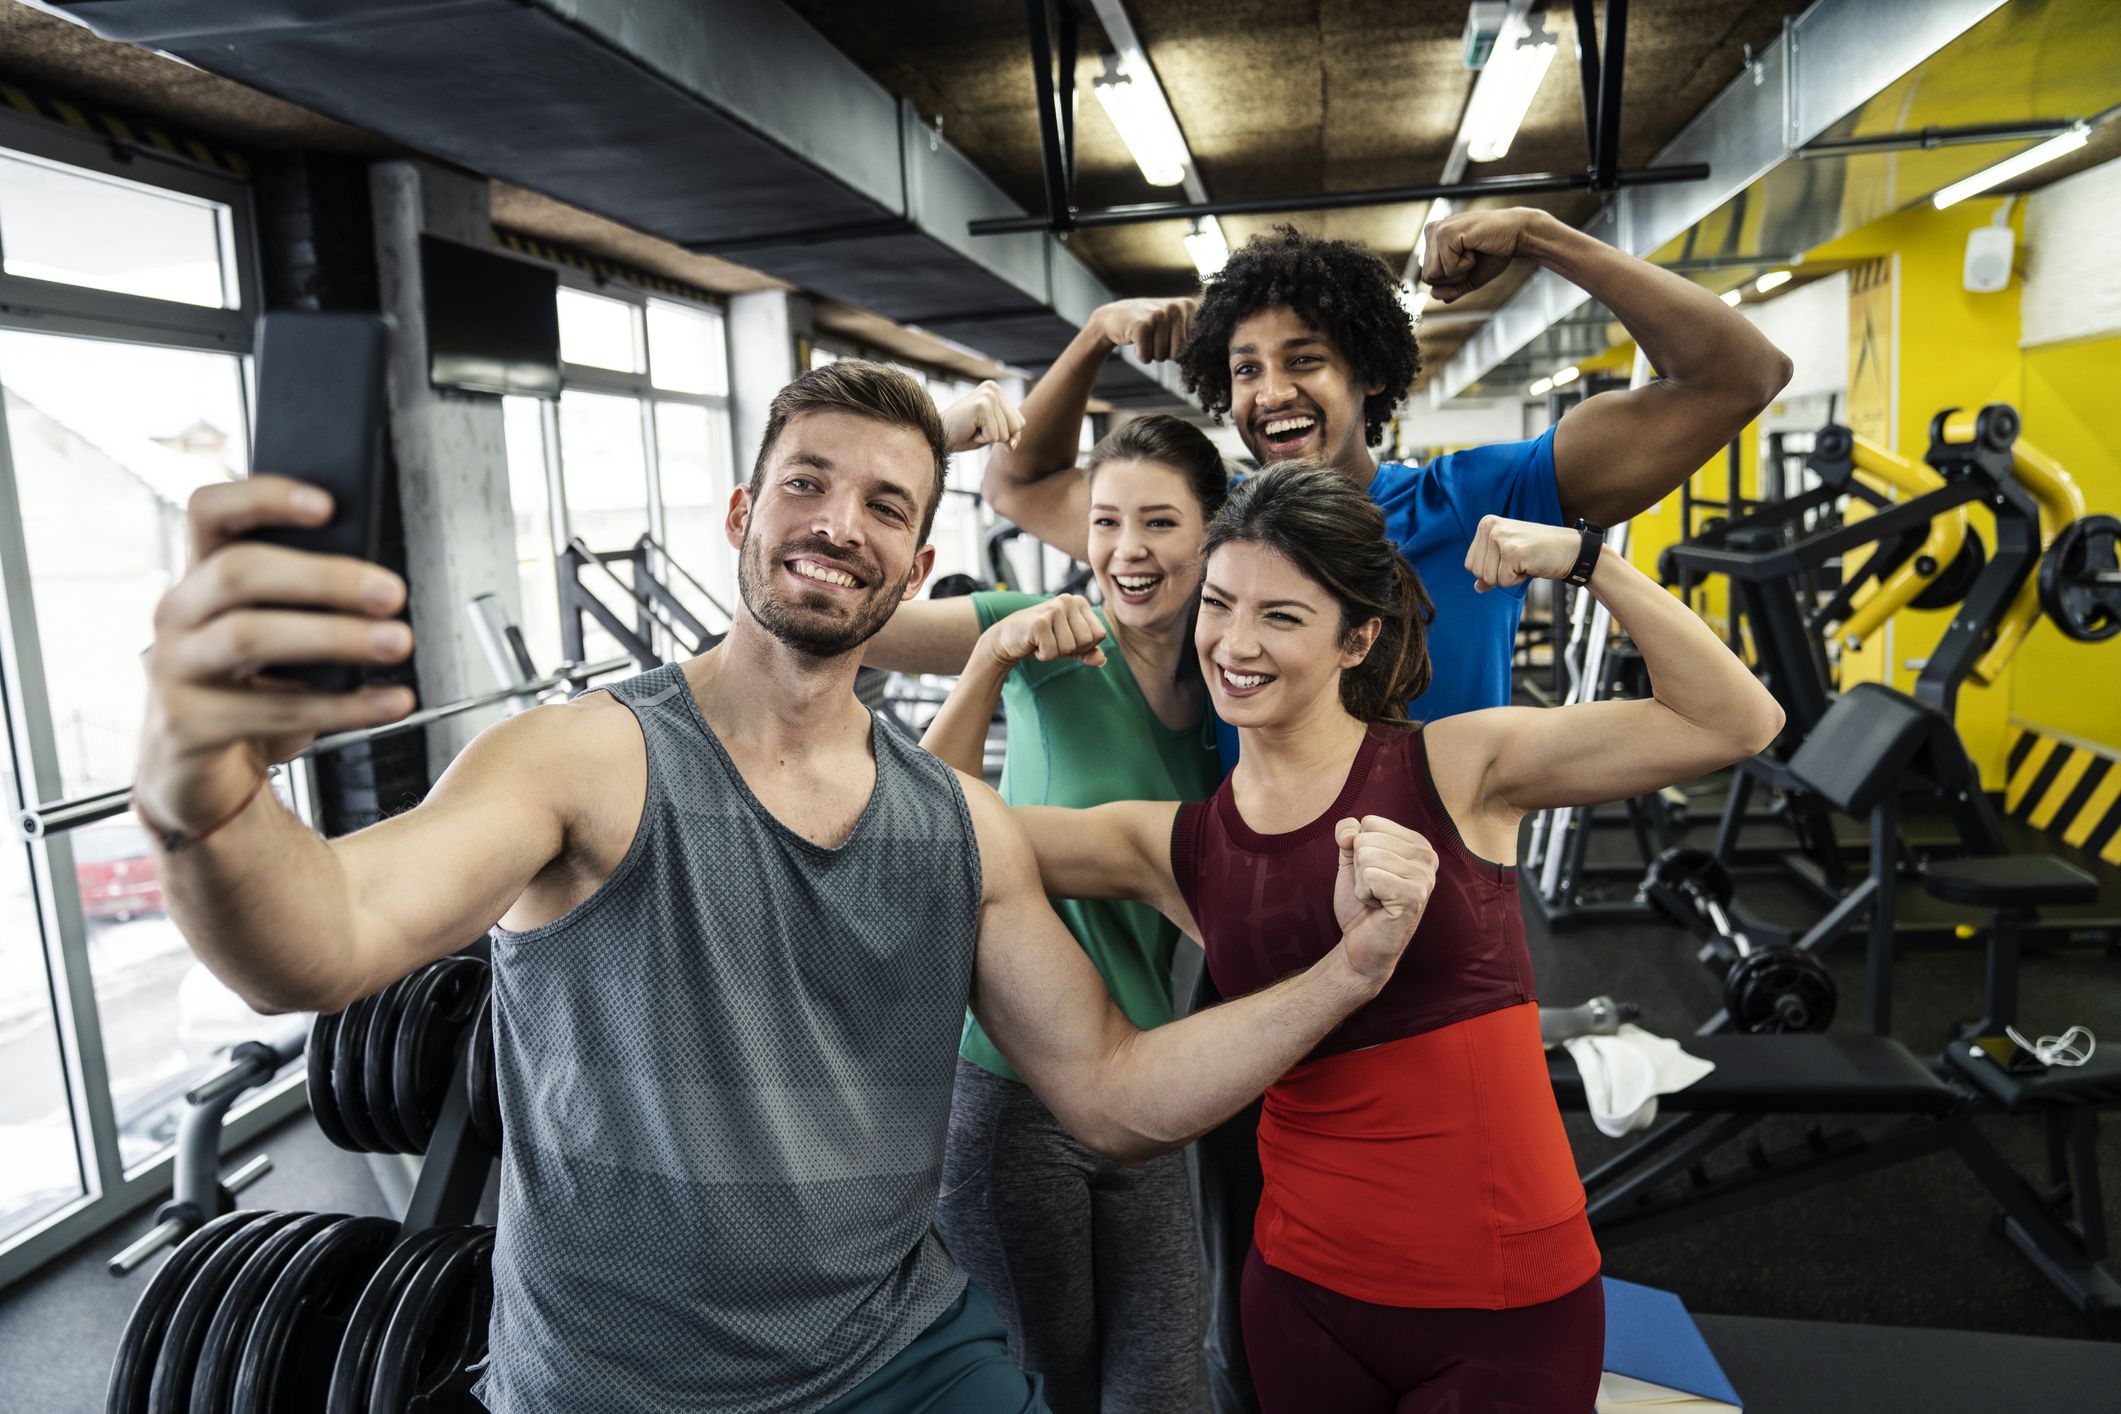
column 1338, row 287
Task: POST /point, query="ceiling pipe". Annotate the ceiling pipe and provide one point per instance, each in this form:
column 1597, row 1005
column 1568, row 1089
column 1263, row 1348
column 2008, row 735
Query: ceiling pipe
column 1529, row 183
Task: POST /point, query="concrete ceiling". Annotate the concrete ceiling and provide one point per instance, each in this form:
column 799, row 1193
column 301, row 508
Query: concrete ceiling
column 1292, row 97
column 1286, row 97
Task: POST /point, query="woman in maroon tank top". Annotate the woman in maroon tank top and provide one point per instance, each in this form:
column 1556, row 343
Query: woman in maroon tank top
column 1421, row 1242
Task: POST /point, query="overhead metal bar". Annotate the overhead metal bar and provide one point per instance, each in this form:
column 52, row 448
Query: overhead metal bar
column 1606, row 170
column 1053, row 159
column 1526, row 184
column 1927, row 138
column 1587, row 69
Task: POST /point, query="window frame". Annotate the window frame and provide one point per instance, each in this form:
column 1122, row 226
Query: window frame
column 36, row 306
column 640, row 387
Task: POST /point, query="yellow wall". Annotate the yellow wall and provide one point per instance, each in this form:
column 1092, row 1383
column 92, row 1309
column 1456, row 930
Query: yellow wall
column 1960, row 349
column 2071, row 397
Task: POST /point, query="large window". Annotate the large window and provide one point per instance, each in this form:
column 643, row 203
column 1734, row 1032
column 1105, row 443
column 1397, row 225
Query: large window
column 41, row 1172
column 640, row 444
column 126, row 303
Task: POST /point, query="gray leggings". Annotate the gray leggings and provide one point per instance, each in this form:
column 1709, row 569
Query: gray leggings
column 1092, row 1264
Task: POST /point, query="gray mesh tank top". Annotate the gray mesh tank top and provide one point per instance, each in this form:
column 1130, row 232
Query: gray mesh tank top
column 725, row 1081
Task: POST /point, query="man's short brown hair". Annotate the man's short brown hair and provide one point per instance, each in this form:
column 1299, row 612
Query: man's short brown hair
column 872, row 390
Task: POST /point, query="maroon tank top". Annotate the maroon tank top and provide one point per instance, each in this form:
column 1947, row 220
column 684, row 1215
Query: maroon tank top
column 1265, row 902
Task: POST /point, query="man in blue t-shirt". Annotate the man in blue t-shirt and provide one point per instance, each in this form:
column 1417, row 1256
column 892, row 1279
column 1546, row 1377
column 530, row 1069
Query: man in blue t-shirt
column 1305, row 345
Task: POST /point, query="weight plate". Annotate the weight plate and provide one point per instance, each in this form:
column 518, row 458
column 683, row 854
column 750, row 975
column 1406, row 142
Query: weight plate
column 427, row 1346
column 1774, row 990
column 214, row 1376
column 355, row 1363
column 323, row 1103
column 349, row 1079
column 2071, row 589
column 376, row 1052
column 286, row 1363
column 429, row 1040
column 170, row 1390
column 141, row 1341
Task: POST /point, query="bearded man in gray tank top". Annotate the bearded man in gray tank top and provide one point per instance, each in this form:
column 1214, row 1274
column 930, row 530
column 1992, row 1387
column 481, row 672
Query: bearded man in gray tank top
column 736, row 923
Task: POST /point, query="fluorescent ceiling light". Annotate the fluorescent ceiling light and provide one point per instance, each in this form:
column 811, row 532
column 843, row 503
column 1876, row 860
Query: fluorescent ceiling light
column 1773, row 280
column 1206, row 245
column 2010, row 167
column 1438, row 210
column 1503, row 93
column 1137, row 108
column 1731, row 297
column 1565, row 376
column 1541, row 387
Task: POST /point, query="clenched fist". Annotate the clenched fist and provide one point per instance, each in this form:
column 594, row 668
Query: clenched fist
column 1386, row 874
column 1463, row 252
column 1156, row 327
column 1062, row 627
column 1507, row 552
column 982, row 418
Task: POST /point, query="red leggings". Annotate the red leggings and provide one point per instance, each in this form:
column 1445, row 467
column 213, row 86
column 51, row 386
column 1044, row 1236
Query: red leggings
column 1312, row 1348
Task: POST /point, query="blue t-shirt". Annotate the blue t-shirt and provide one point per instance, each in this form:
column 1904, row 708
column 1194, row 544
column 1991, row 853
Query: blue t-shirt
column 1431, row 512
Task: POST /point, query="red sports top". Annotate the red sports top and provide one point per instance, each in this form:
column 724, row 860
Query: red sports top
column 1416, row 1157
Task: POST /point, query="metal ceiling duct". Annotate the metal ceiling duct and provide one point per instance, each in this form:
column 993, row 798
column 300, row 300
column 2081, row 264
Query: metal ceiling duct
column 1827, row 64
column 724, row 126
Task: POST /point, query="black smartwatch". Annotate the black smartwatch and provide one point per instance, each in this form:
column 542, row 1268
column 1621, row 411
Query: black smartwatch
column 1587, row 554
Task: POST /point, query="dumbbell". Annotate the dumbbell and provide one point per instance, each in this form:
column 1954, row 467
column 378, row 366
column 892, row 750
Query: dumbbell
column 1600, row 1016
column 1765, row 989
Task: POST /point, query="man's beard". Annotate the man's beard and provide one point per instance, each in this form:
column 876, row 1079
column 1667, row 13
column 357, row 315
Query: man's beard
column 795, row 623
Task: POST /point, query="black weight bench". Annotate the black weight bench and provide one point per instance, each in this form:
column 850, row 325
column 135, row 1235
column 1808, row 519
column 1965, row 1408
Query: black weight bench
column 1662, row 1181
column 1791, row 1074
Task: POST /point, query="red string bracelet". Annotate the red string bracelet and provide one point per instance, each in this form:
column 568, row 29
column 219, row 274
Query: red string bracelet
column 176, row 841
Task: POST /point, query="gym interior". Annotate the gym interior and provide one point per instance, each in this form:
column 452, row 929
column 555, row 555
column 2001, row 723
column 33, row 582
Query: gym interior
column 603, row 234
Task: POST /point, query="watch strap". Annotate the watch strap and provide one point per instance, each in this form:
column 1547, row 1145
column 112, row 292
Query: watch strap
column 1587, row 553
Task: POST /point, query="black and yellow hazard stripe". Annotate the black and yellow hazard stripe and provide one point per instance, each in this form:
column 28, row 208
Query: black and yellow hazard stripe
column 133, row 132
column 2066, row 787
column 598, row 266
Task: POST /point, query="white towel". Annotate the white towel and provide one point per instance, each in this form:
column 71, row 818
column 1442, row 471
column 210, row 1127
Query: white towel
column 1623, row 1075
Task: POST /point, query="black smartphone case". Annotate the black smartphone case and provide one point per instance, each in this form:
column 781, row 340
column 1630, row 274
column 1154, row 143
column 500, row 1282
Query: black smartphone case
column 321, row 419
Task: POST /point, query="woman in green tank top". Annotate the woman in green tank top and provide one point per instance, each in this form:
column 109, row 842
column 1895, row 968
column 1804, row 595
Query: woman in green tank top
column 1103, row 703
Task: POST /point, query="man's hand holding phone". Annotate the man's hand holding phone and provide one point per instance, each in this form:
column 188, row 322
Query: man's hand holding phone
column 217, row 714
column 259, row 648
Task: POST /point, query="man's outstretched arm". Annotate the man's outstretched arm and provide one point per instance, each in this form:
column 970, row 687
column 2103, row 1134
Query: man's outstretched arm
column 287, row 920
column 1135, row 1094
column 1026, row 483
column 1619, row 453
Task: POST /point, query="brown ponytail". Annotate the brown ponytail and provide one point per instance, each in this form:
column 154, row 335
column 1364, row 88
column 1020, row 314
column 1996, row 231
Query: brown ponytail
column 1331, row 530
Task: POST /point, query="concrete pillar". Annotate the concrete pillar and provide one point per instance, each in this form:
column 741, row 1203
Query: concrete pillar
column 451, row 453
column 763, row 329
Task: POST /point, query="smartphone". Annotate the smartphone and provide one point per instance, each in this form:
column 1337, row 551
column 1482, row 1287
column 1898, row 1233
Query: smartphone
column 2007, row 1053
column 321, row 420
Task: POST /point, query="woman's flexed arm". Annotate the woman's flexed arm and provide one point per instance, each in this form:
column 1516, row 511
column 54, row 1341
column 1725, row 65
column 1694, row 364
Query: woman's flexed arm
column 1706, row 709
column 1117, row 851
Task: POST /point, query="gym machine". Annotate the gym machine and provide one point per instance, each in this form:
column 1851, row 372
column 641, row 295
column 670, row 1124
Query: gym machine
column 1927, row 557
column 663, row 624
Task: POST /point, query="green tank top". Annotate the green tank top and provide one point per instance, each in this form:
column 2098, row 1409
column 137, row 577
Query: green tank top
column 1082, row 736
